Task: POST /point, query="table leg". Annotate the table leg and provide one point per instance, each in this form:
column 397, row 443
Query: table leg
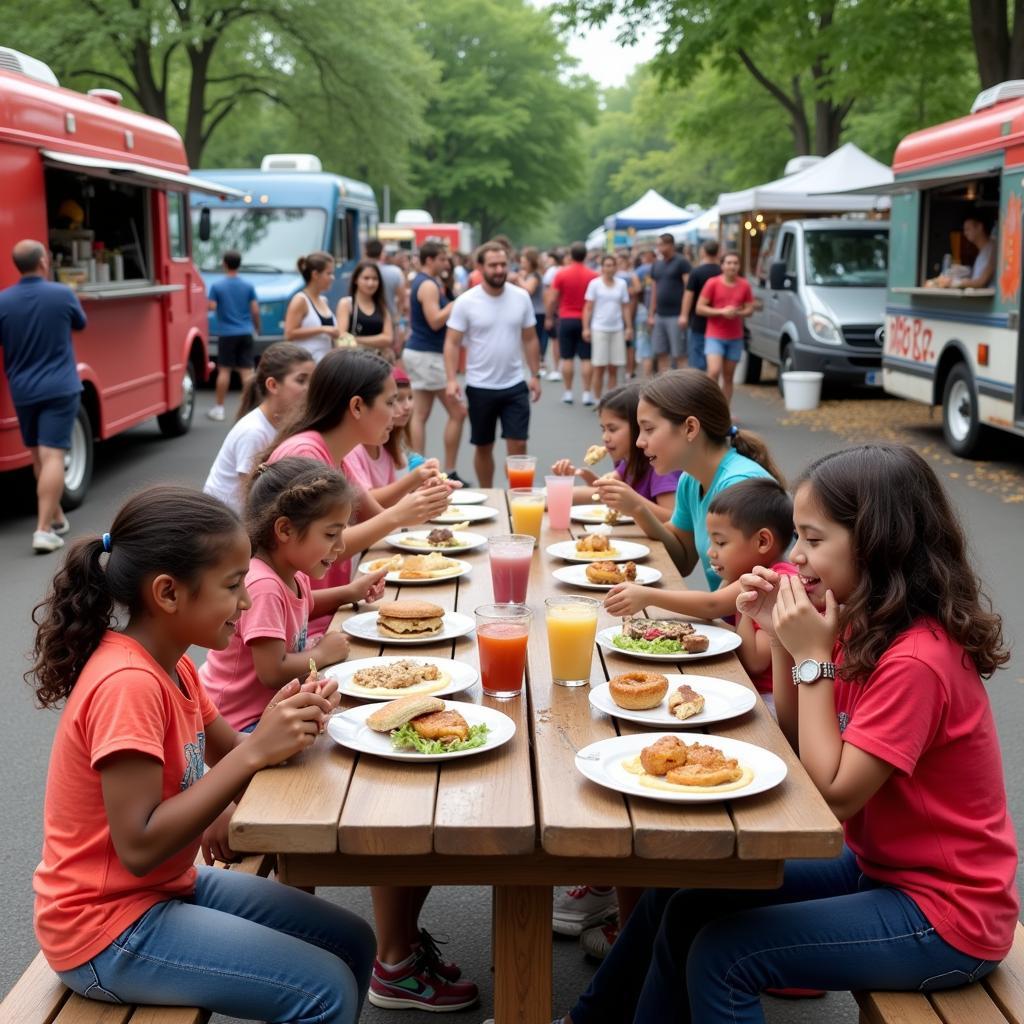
column 522, row 954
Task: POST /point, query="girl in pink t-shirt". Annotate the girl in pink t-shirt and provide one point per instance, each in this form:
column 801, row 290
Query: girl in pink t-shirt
column 296, row 516
column 142, row 764
column 880, row 645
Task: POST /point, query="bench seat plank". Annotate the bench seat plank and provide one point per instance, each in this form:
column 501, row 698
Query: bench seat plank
column 896, row 1008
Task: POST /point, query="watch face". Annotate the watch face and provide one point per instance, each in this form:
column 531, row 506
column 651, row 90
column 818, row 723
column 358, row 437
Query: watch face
column 808, row 671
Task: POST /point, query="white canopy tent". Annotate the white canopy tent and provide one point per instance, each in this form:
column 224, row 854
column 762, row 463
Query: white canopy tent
column 819, row 188
column 651, row 210
column 704, row 225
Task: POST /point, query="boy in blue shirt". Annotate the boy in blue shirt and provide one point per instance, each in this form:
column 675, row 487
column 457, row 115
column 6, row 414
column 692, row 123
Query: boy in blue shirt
column 238, row 319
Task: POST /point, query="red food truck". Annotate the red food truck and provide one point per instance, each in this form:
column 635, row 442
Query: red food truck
column 107, row 190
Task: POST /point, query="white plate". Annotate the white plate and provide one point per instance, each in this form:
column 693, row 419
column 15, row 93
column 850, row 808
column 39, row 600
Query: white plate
column 464, row 497
column 470, row 542
column 460, row 677
column 466, row 514
column 596, row 514
column 395, row 577
column 721, row 642
column 625, row 551
column 576, row 576
column 349, row 729
column 722, row 700
column 768, row 768
column 364, row 626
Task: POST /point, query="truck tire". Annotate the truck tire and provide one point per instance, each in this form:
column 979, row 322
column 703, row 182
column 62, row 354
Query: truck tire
column 785, row 364
column 176, row 422
column 78, row 461
column 753, row 369
column 961, row 427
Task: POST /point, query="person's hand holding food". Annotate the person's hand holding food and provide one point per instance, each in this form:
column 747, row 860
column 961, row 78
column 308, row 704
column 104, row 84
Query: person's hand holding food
column 626, row 599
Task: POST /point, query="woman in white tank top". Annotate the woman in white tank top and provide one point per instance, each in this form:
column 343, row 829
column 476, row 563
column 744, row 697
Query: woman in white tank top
column 309, row 321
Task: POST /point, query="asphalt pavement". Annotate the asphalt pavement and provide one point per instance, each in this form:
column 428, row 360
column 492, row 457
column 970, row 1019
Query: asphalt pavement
column 988, row 495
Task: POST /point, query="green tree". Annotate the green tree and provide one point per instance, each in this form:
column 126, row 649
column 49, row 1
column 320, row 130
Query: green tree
column 204, row 63
column 505, row 120
column 998, row 42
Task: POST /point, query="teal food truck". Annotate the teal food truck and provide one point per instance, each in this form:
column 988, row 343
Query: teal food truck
column 953, row 308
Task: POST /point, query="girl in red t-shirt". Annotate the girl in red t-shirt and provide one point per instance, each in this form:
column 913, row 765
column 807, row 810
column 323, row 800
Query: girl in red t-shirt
column 121, row 913
column 888, row 635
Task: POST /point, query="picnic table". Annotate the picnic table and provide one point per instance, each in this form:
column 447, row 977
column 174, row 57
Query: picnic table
column 521, row 818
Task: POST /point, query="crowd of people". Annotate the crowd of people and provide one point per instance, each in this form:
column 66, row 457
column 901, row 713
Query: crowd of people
column 862, row 623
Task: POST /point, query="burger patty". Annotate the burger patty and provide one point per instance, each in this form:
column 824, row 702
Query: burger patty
column 637, row 628
column 408, row 627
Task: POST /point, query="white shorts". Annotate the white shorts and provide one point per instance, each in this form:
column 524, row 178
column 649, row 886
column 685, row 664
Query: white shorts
column 608, row 348
column 425, row 369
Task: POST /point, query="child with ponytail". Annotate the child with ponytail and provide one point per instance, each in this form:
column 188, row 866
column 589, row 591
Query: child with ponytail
column 121, row 913
column 271, row 396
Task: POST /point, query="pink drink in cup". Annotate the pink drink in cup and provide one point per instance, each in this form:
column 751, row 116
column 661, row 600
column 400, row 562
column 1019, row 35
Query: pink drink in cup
column 511, row 557
column 559, row 490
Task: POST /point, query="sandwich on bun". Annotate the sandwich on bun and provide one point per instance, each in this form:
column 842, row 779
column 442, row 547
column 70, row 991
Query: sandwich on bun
column 409, row 618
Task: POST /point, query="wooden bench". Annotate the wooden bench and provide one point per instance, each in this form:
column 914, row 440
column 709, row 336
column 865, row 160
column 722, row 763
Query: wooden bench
column 39, row 997
column 996, row 999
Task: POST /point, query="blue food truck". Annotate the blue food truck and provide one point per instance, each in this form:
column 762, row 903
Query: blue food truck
column 289, row 207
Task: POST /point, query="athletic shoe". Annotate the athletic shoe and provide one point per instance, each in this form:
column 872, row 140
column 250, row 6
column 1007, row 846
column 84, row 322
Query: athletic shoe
column 553, row 375
column 62, row 529
column 456, row 479
column 581, row 908
column 415, row 985
column 45, row 541
column 588, row 398
column 567, row 397
column 596, row 942
column 795, row 993
column 449, row 971
column 216, row 413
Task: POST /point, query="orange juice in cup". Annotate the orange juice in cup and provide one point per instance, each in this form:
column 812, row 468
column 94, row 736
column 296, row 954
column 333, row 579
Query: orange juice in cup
column 527, row 507
column 572, row 626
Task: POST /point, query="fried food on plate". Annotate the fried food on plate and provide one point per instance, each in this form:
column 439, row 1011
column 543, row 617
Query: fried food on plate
column 409, row 618
column 705, row 766
column 695, row 643
column 392, row 564
column 609, row 572
column 684, row 702
column 427, row 567
column 595, row 453
column 638, row 691
column 593, row 542
column 446, row 726
column 663, row 755
column 396, row 713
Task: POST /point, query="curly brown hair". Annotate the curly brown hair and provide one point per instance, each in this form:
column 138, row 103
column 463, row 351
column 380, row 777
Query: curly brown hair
column 911, row 557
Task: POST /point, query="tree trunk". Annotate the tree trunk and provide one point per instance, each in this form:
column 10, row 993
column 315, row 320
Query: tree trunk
column 828, row 126
column 992, row 39
column 152, row 98
column 195, row 114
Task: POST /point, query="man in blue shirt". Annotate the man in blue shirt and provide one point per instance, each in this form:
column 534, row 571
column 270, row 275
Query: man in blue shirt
column 238, row 319
column 37, row 317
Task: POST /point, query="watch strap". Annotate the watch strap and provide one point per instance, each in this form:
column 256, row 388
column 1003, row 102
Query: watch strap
column 826, row 670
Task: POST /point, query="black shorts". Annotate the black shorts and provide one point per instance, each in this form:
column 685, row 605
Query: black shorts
column 235, row 351
column 48, row 423
column 570, row 340
column 488, row 405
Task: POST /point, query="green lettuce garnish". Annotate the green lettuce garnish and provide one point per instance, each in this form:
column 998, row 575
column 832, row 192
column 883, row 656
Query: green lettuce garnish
column 660, row 646
column 407, row 736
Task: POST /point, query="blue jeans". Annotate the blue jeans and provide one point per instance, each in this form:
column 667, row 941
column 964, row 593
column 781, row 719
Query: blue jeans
column 695, row 350
column 705, row 955
column 242, row 946
column 542, row 334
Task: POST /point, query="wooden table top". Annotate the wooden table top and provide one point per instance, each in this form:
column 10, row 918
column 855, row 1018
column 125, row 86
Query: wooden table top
column 526, row 799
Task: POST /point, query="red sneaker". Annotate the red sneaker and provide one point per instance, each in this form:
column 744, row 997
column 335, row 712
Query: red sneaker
column 432, row 951
column 417, row 986
column 795, row 993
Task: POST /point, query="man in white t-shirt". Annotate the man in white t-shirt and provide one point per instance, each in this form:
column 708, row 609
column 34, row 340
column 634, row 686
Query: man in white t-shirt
column 496, row 323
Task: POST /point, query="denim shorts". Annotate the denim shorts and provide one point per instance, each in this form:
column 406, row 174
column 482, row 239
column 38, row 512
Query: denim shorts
column 731, row 349
column 48, row 423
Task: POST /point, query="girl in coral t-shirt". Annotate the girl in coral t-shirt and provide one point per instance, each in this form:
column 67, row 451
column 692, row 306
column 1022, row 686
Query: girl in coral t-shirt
column 296, row 516
column 902, row 745
column 121, row 913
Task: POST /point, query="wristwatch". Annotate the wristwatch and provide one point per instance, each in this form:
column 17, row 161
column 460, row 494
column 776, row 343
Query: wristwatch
column 810, row 671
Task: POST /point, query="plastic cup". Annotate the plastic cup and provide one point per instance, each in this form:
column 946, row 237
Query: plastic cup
column 502, row 633
column 527, row 507
column 560, row 492
column 572, row 627
column 520, row 470
column 511, row 558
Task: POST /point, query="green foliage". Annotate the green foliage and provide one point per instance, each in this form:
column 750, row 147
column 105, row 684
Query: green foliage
column 506, row 117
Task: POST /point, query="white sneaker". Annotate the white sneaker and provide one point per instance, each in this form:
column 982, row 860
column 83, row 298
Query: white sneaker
column 567, row 397
column 588, row 398
column 553, row 375
column 216, row 413
column 580, row 908
column 44, row 541
column 62, row 529
column 597, row 942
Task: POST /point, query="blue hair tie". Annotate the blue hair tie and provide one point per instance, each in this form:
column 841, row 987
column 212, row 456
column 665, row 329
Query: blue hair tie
column 106, row 542
column 733, row 431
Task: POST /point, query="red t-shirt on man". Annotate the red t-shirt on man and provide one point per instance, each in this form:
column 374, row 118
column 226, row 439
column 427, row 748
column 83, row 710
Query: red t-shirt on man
column 938, row 829
column 571, row 284
column 718, row 295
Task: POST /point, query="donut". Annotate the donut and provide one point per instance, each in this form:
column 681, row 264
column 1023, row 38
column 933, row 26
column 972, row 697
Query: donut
column 638, row 691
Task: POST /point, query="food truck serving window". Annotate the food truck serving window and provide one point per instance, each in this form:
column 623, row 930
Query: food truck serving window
column 99, row 229
column 946, row 253
column 177, row 225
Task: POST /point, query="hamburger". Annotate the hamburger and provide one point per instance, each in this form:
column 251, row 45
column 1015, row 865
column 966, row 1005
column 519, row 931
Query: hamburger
column 425, row 724
column 409, row 618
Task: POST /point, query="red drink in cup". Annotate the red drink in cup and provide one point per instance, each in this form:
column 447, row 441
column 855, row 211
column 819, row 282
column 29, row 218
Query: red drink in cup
column 502, row 633
column 520, row 470
column 511, row 559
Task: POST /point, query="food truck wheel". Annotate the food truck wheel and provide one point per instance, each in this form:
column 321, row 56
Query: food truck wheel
column 78, row 461
column 176, row 422
column 960, row 424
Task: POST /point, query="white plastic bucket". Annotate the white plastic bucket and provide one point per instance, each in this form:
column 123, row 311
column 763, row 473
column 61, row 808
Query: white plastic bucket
column 802, row 389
